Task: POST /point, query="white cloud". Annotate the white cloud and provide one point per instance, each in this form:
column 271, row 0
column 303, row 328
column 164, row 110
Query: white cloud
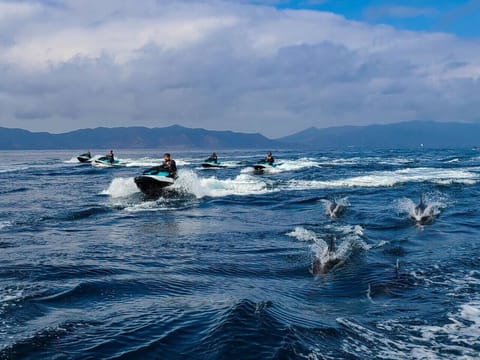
column 15, row 11
column 223, row 65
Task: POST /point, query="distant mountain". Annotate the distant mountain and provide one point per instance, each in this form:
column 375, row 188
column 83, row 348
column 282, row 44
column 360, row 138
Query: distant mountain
column 172, row 137
column 400, row 135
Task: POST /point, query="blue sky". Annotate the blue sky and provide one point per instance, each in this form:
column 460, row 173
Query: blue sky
column 460, row 17
column 269, row 66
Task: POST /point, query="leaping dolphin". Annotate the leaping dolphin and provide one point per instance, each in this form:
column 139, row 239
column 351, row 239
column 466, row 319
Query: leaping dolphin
column 422, row 213
column 325, row 263
column 335, row 209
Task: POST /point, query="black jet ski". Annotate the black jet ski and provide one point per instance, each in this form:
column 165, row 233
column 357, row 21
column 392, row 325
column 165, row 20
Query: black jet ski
column 154, row 180
column 261, row 166
column 212, row 164
column 84, row 158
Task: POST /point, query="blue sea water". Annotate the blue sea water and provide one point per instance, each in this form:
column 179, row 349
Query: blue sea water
column 230, row 264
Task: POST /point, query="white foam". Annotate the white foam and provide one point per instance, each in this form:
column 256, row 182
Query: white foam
column 285, row 165
column 9, row 295
column 458, row 332
column 303, row 234
column 155, row 205
column 189, row 182
column 340, row 162
column 434, row 203
column 150, row 162
column 243, row 184
column 5, row 224
column 121, row 187
column 73, row 160
column 225, row 164
column 295, row 165
column 390, row 178
column 463, row 328
column 13, row 168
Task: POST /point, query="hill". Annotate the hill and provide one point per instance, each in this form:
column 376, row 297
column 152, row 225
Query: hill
column 172, row 137
column 400, row 135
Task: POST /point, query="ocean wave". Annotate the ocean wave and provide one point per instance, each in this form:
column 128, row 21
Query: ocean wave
column 5, row 224
column 391, row 178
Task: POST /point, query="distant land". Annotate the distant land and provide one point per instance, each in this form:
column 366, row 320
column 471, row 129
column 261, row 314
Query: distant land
column 399, row 135
column 172, row 137
column 412, row 134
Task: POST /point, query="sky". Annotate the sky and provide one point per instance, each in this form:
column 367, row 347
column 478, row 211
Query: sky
column 269, row 66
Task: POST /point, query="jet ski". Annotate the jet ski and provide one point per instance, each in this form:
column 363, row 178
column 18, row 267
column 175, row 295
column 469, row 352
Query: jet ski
column 154, row 180
column 211, row 164
column 84, row 158
column 261, row 166
column 105, row 162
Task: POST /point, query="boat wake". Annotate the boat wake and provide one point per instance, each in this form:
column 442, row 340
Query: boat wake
column 188, row 182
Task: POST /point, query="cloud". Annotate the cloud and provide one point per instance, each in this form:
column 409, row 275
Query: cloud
column 395, row 11
column 224, row 65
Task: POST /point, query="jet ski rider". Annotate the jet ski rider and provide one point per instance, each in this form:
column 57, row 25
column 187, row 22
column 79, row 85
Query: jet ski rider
column 169, row 165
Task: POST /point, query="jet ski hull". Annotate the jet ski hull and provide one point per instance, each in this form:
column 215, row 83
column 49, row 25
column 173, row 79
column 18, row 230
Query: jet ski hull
column 211, row 165
column 261, row 167
column 153, row 185
column 104, row 162
column 84, row 158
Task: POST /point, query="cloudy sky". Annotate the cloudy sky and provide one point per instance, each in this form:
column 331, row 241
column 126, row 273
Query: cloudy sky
column 268, row 66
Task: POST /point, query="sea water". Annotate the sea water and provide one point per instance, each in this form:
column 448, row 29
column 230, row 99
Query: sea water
column 237, row 265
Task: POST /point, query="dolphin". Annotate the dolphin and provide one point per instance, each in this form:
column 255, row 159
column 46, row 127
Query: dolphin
column 335, row 209
column 327, row 261
column 422, row 213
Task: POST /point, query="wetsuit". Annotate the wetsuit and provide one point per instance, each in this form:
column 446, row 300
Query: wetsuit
column 171, row 167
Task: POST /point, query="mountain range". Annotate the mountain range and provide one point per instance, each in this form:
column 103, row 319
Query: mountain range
column 172, row 137
column 410, row 134
column 399, row 135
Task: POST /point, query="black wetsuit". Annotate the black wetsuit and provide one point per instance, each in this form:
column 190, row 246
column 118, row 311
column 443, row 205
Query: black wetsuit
column 171, row 167
column 269, row 160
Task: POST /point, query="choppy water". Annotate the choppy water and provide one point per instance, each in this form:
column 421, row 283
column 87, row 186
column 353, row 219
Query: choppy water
column 231, row 264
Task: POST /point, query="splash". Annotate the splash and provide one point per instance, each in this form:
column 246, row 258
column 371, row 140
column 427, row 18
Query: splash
column 335, row 207
column 72, row 160
column 148, row 162
column 285, row 165
column 243, row 184
column 121, row 187
column 334, row 249
column 432, row 205
column 295, row 165
column 303, row 234
column 188, row 182
column 162, row 204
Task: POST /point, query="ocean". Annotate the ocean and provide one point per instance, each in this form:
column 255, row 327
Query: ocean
column 230, row 264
